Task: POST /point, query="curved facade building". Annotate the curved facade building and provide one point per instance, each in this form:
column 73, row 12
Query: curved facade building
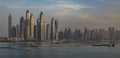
column 52, row 29
column 31, row 27
column 41, row 28
column 22, row 28
column 56, row 29
column 27, row 25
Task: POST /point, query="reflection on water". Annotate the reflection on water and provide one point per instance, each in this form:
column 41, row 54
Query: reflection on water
column 67, row 52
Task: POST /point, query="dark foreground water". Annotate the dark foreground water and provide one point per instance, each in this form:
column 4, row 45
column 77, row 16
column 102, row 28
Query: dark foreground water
column 66, row 52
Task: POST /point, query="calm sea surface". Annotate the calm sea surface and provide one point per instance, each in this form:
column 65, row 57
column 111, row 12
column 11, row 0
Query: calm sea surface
column 66, row 52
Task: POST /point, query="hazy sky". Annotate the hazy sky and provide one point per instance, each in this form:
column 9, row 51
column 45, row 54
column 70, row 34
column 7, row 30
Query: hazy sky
column 69, row 13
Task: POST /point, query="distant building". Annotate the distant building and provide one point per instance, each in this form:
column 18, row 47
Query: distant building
column 65, row 33
column 22, row 28
column 77, row 34
column 86, row 34
column 111, row 31
column 52, row 29
column 38, row 30
column 48, row 32
column 94, row 34
column 104, row 34
column 10, row 26
column 41, row 28
column 17, row 31
column 35, row 32
column 13, row 31
column 61, row 35
column 69, row 33
column 27, row 25
column 56, row 29
column 32, row 27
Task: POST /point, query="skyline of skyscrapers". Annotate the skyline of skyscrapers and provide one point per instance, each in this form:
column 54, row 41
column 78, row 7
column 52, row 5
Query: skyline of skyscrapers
column 26, row 30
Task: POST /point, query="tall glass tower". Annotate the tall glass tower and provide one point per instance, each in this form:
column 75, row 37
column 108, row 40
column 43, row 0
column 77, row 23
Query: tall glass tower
column 32, row 26
column 27, row 25
column 22, row 28
column 52, row 29
column 41, row 28
column 10, row 26
column 56, row 29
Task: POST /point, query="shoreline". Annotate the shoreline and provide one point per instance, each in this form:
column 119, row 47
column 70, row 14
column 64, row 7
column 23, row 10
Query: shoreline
column 50, row 45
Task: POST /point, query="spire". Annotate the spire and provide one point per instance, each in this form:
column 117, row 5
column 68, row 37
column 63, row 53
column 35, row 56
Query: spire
column 42, row 17
column 27, row 11
column 10, row 16
column 56, row 22
column 41, row 13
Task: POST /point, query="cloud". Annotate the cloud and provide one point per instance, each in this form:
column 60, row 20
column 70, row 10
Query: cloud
column 60, row 9
column 115, row 2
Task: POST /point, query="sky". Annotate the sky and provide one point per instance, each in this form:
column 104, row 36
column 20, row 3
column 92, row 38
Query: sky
column 74, row 14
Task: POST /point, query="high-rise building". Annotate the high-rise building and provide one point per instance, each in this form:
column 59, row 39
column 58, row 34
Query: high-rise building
column 61, row 35
column 13, row 33
column 22, row 28
column 94, row 34
column 35, row 32
column 69, row 33
column 86, row 34
column 32, row 26
column 56, row 29
column 17, row 31
column 111, row 31
column 104, row 34
column 77, row 34
column 27, row 25
column 41, row 28
column 38, row 30
column 66, row 33
column 52, row 29
column 10, row 26
column 48, row 32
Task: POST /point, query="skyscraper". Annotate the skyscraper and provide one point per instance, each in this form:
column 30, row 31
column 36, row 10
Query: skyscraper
column 35, row 32
column 52, row 29
column 69, row 33
column 10, row 26
column 86, row 34
column 22, row 28
column 38, row 30
column 41, row 28
column 17, row 31
column 48, row 32
column 13, row 33
column 111, row 31
column 61, row 35
column 56, row 29
column 27, row 25
column 32, row 26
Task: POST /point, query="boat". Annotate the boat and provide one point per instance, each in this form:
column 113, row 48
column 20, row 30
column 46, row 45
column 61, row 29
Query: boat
column 112, row 45
column 34, row 45
column 108, row 45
